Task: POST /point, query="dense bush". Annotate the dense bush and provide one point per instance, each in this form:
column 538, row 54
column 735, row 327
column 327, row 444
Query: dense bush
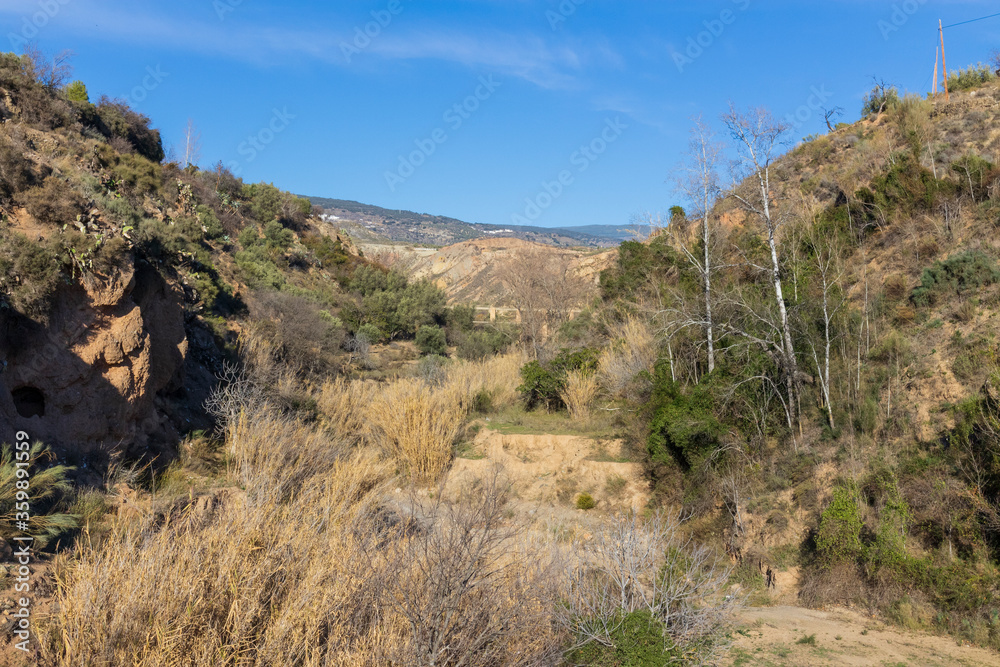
column 959, row 274
column 16, row 173
column 544, row 383
column 684, row 428
column 839, row 535
column 638, row 265
column 29, row 273
column 975, row 176
column 971, row 77
column 904, row 189
column 299, row 334
column 118, row 120
column 431, row 340
column 478, row 345
column 54, row 202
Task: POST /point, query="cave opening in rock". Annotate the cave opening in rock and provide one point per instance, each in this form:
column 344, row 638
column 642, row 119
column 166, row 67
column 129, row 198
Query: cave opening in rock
column 29, row 402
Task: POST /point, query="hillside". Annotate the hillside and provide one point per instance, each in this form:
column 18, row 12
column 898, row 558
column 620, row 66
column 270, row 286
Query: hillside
column 372, row 224
column 475, row 271
column 768, row 434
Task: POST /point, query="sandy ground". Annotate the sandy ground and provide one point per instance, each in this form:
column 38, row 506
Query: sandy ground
column 770, row 636
column 552, row 470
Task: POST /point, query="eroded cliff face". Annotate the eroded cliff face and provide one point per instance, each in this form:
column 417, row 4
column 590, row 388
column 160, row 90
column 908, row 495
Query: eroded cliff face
column 87, row 380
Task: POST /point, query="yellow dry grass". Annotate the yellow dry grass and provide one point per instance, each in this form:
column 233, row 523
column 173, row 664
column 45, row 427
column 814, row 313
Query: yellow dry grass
column 416, row 425
column 579, row 394
column 305, row 564
column 633, row 350
column 413, row 422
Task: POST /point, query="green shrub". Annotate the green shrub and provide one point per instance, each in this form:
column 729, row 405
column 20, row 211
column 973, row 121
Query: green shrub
column 639, row 640
column 973, row 76
column 905, row 189
column 76, row 92
column 543, row 384
column 29, row 273
column 258, row 270
column 16, row 173
column 478, row 345
column 585, row 501
column 684, row 428
column 839, row 537
column 371, row 333
column 880, row 98
column 117, row 119
column 638, row 266
column 54, row 202
column 211, row 226
column 975, row 176
column 959, row 274
column 431, row 340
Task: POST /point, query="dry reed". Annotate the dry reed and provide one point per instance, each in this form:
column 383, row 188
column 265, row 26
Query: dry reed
column 633, row 350
column 579, row 394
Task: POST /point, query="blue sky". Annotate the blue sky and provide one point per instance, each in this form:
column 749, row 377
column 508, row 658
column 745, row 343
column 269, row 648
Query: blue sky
column 581, row 107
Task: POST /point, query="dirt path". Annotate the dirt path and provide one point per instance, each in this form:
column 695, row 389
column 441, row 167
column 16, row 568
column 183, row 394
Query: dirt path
column 779, row 636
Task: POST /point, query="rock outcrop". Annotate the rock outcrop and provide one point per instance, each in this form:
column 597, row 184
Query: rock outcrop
column 86, row 381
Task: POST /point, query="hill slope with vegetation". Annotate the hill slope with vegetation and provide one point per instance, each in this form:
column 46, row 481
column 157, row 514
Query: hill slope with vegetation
column 796, row 378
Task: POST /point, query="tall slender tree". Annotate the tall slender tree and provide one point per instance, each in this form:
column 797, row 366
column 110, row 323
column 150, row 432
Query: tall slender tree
column 758, row 137
column 699, row 182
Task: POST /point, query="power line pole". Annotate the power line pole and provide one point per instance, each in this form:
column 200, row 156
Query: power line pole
column 944, row 61
column 937, row 56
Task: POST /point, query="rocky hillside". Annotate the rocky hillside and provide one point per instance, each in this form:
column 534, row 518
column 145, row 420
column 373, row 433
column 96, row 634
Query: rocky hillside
column 127, row 283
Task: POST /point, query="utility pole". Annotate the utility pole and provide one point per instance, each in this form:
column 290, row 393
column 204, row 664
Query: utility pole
column 937, row 56
column 944, row 61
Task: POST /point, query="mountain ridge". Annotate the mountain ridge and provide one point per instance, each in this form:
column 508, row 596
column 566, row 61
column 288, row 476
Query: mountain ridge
column 372, row 223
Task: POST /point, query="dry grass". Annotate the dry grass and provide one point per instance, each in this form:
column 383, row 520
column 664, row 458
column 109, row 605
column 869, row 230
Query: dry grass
column 414, row 422
column 343, row 406
column 270, row 575
column 632, row 351
column 307, row 565
column 417, row 426
column 497, row 376
column 579, row 394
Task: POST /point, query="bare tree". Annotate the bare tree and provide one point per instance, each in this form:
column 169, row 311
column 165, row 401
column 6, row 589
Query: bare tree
column 829, row 115
column 827, row 258
column 635, row 565
column 52, row 72
column 543, row 288
column 192, row 144
column 759, row 136
column 700, row 183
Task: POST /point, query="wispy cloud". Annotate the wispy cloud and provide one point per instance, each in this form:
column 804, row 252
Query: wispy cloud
column 546, row 62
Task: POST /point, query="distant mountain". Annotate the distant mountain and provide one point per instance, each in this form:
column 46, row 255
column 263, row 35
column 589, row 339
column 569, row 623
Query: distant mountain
column 373, row 224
